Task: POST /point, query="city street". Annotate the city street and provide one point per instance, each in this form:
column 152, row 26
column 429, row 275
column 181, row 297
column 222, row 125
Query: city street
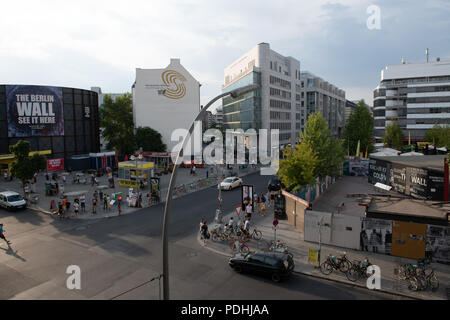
column 118, row 254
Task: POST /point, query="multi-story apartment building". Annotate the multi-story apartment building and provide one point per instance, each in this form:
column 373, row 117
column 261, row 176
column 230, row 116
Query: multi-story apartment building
column 219, row 117
column 319, row 95
column 276, row 105
column 416, row 95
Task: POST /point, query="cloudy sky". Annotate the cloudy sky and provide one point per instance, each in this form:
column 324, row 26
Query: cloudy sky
column 100, row 43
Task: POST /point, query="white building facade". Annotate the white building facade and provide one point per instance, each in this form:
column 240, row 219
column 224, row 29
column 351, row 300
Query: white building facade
column 276, row 105
column 416, row 95
column 165, row 100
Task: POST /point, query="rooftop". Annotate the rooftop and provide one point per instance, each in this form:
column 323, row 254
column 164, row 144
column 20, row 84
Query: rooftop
column 407, row 209
column 434, row 162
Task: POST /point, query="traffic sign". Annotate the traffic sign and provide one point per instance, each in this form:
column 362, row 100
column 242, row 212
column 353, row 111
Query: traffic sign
column 275, row 222
column 238, row 210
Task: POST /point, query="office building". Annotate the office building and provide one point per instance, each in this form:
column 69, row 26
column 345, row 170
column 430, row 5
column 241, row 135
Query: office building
column 276, row 105
column 416, row 95
column 319, row 95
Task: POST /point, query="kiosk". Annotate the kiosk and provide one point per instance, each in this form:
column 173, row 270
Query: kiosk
column 132, row 173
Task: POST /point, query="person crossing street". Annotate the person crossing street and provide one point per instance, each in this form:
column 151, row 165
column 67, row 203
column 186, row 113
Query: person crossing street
column 2, row 236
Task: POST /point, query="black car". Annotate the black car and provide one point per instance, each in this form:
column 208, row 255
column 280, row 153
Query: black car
column 273, row 264
column 274, row 184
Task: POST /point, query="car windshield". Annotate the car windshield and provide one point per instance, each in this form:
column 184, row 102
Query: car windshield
column 228, row 180
column 14, row 198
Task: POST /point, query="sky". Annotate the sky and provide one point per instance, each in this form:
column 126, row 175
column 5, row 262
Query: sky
column 99, row 43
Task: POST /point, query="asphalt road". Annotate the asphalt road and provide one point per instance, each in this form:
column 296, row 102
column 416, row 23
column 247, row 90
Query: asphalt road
column 117, row 256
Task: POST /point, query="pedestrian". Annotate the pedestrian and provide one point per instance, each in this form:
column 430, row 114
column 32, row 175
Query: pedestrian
column 248, row 211
column 61, row 189
column 247, row 228
column 27, row 190
column 96, row 181
column 83, row 203
column 108, row 202
column 268, row 199
column 119, row 208
column 68, row 209
column 5, row 175
column 193, row 170
column 105, row 202
column 94, row 205
column 100, row 195
column 92, row 179
column 46, row 176
column 76, row 207
column 96, row 194
column 2, row 236
column 149, row 198
column 205, row 233
column 140, row 200
column 64, row 179
column 60, row 209
column 47, row 189
column 263, row 209
column 231, row 224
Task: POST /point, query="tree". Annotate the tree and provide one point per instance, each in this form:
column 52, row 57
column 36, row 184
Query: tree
column 149, row 140
column 440, row 136
column 394, row 136
column 117, row 119
column 329, row 150
column 359, row 127
column 25, row 166
column 297, row 169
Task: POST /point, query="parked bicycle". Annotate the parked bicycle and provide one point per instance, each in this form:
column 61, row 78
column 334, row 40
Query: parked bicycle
column 420, row 276
column 340, row 263
column 358, row 270
column 237, row 245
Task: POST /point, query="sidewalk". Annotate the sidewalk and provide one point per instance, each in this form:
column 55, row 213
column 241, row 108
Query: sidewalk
column 185, row 181
column 300, row 248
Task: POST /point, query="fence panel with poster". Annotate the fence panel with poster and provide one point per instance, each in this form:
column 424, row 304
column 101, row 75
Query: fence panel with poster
column 376, row 236
column 54, row 165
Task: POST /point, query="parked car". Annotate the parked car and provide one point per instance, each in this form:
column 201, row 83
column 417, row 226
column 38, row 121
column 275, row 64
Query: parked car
column 275, row 184
column 276, row 265
column 11, row 200
column 230, row 183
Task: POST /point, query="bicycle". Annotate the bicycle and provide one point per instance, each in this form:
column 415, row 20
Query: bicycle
column 238, row 246
column 255, row 234
column 358, row 270
column 335, row 263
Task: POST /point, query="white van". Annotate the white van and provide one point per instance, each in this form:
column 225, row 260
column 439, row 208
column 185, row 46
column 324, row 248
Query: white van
column 11, row 200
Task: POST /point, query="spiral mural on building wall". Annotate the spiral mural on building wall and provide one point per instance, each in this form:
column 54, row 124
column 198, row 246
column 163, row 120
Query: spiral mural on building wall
column 174, row 79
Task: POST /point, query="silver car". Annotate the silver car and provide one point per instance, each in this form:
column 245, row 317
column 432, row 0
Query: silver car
column 231, row 183
column 11, row 200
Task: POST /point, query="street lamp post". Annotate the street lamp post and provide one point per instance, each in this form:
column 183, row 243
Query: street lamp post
column 134, row 158
column 167, row 210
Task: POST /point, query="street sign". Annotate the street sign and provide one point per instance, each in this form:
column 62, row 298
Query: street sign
column 238, row 210
column 275, row 222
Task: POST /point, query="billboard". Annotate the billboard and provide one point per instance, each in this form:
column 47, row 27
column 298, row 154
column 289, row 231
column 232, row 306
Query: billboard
column 34, row 111
column 55, row 165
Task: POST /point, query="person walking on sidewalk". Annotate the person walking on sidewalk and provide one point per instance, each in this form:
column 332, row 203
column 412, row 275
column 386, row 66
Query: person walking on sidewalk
column 108, row 202
column 83, row 203
column 105, row 202
column 205, row 233
column 2, row 236
column 76, row 207
column 94, row 205
column 119, row 207
column 248, row 211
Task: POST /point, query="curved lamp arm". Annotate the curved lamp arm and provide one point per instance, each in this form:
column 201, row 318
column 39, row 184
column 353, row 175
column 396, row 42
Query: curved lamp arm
column 167, row 210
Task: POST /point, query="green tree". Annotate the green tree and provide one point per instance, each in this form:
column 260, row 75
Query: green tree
column 394, row 136
column 149, row 140
column 329, row 150
column 359, row 127
column 117, row 120
column 297, row 169
column 25, row 166
column 440, row 136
